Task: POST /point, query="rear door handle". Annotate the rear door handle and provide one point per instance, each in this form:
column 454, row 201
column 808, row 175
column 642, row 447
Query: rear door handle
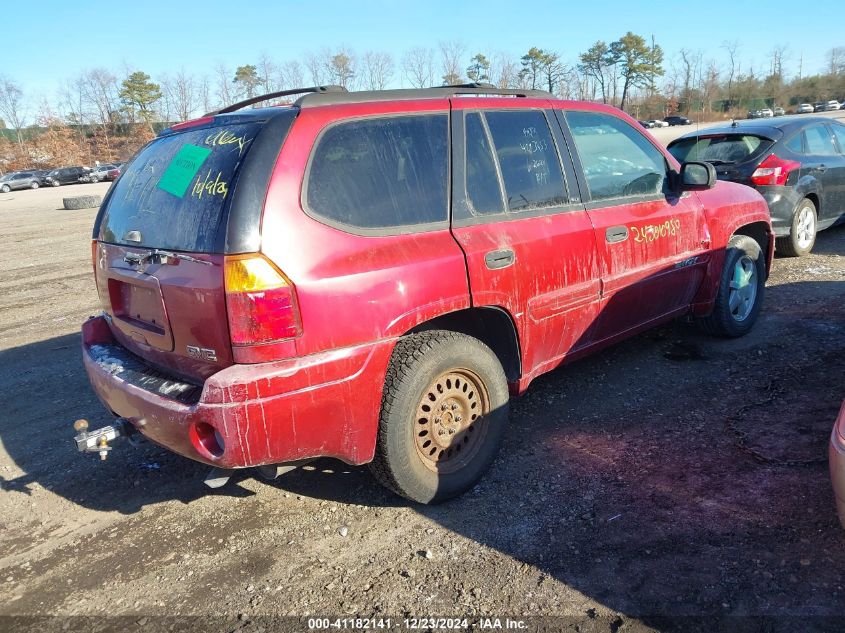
column 616, row 234
column 499, row 259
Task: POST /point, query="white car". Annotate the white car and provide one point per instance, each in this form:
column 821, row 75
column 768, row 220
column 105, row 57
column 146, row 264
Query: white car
column 831, row 105
column 766, row 113
column 805, row 108
column 657, row 123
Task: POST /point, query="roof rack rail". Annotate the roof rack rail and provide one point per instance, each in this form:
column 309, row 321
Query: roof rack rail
column 273, row 95
column 342, row 96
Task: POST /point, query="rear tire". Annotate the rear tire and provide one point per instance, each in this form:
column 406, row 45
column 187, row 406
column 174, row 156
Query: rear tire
column 33, row 185
column 5, row 188
column 802, row 231
column 741, row 290
column 443, row 413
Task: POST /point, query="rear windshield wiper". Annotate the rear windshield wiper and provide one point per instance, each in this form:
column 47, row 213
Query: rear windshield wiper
column 159, row 256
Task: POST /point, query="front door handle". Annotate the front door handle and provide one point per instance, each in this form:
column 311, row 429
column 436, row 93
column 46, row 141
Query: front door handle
column 616, row 234
column 499, row 259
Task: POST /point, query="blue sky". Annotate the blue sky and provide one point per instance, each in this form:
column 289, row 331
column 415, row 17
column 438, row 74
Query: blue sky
column 159, row 37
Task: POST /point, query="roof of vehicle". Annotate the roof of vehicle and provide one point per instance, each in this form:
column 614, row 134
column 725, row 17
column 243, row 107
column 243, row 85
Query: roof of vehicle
column 772, row 128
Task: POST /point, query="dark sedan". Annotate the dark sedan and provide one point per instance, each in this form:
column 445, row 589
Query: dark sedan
column 797, row 164
column 676, row 119
column 65, row 176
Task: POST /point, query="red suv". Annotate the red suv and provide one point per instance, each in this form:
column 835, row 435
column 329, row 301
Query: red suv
column 370, row 276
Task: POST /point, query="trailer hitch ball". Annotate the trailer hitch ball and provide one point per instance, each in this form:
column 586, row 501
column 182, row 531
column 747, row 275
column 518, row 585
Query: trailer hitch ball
column 80, row 425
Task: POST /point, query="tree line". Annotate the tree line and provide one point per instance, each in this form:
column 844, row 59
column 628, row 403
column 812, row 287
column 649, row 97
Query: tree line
column 101, row 114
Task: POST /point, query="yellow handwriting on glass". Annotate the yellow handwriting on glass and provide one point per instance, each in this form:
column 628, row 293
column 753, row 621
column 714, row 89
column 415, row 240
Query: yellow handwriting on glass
column 206, row 186
column 225, row 137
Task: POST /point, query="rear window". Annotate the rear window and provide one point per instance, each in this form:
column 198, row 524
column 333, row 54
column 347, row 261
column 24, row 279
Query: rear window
column 175, row 191
column 726, row 149
column 381, row 173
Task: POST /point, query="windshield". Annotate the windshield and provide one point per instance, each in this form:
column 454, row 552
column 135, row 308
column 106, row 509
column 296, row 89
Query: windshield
column 175, row 191
column 725, row 149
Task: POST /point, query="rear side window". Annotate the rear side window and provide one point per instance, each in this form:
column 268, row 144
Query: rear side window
column 175, row 191
column 381, row 173
column 483, row 192
column 726, row 149
column 618, row 160
column 528, row 159
column 819, row 141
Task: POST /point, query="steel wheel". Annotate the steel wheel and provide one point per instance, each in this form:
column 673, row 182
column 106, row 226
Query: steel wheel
column 450, row 421
column 805, row 227
column 743, row 288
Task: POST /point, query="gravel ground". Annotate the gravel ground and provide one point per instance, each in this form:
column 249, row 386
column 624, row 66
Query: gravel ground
column 671, row 476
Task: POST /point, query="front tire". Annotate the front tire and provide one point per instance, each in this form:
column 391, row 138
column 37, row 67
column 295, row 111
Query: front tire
column 802, row 231
column 742, row 287
column 5, row 188
column 443, row 413
column 33, row 185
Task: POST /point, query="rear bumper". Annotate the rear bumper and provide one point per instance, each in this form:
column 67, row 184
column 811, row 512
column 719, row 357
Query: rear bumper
column 782, row 202
column 837, row 464
column 326, row 404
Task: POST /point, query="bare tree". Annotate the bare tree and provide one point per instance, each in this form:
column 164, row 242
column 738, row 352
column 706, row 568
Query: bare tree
column 732, row 49
column 418, row 65
column 204, row 94
column 223, row 84
column 690, row 68
column 316, row 66
column 377, row 70
column 777, row 57
column 504, row 71
column 836, row 61
column 339, row 66
column 100, row 93
column 181, row 92
column 451, row 53
column 290, row 75
column 11, row 106
column 268, row 72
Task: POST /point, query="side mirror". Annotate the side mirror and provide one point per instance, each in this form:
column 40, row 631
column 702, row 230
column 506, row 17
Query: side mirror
column 696, row 176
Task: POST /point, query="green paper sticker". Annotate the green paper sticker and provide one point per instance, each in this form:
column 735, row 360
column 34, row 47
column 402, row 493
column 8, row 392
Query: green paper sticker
column 182, row 169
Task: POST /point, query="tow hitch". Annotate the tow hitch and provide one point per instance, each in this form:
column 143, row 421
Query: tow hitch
column 97, row 441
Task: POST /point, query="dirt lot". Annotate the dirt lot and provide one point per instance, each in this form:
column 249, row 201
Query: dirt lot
column 650, row 487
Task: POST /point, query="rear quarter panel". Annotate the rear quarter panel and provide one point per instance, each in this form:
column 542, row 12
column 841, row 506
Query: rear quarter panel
column 355, row 289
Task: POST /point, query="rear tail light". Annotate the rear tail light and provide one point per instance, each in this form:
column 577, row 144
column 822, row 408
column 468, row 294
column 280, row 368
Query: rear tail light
column 774, row 171
column 260, row 300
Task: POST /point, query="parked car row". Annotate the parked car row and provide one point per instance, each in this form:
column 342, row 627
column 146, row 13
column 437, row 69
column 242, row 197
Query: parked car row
column 35, row 178
column 666, row 121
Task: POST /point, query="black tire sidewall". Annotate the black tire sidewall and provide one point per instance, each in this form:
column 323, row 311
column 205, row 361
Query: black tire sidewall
column 412, row 477
column 739, row 246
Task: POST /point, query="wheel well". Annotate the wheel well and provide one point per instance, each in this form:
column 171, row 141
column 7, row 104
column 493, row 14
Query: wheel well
column 492, row 326
column 757, row 231
column 814, row 199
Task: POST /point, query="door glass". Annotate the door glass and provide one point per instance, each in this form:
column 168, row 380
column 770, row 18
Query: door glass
column 839, row 133
column 618, row 160
column 819, row 141
column 483, row 191
column 528, row 159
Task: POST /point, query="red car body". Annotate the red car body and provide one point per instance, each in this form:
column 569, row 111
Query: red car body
column 319, row 392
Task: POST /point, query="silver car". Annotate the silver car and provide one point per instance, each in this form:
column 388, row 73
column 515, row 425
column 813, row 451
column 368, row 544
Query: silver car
column 19, row 180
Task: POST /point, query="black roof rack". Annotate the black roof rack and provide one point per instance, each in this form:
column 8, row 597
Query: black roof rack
column 273, row 95
column 435, row 92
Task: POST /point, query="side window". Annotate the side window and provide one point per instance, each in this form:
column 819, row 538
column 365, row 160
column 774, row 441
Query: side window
column 819, row 141
column 618, row 160
column 795, row 144
column 839, row 133
column 482, row 181
column 381, row 173
column 528, row 159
